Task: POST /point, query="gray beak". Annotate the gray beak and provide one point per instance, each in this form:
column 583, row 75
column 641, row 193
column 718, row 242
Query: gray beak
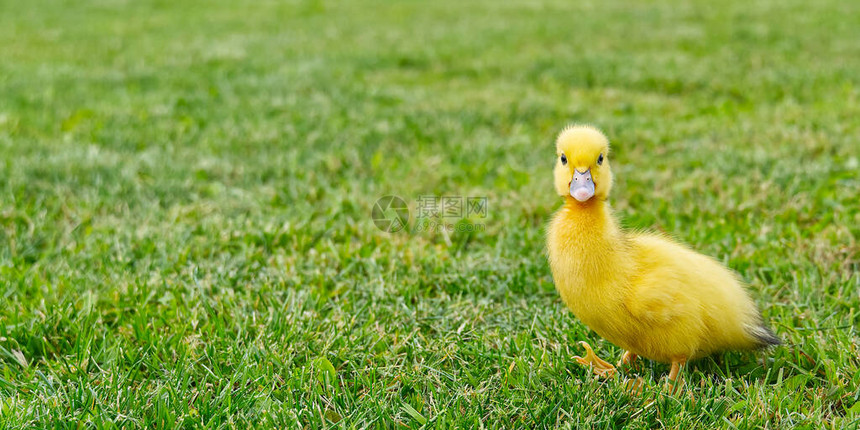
column 582, row 186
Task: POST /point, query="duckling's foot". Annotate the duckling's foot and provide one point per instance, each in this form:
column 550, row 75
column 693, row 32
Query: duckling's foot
column 674, row 382
column 599, row 367
column 634, row 386
column 627, row 359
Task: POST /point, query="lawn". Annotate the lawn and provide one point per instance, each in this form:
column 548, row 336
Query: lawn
column 186, row 189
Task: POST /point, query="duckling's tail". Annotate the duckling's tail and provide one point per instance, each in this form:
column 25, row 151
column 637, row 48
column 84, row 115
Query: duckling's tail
column 763, row 336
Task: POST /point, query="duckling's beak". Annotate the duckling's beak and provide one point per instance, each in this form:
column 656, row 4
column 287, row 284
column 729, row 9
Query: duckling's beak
column 581, row 186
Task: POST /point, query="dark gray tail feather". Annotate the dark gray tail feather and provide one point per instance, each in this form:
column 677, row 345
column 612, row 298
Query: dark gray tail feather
column 764, row 336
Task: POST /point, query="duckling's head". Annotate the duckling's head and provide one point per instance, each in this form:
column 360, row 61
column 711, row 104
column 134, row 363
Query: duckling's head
column 582, row 168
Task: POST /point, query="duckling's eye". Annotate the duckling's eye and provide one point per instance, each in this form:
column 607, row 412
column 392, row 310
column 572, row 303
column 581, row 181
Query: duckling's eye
column 563, row 159
column 600, row 159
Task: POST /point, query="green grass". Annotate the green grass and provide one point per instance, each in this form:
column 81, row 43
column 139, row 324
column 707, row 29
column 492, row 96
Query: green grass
column 185, row 196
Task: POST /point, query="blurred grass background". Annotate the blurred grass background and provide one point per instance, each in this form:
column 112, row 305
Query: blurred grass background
column 185, row 194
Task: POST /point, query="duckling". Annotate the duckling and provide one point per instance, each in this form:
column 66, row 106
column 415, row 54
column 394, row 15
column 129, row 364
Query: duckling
column 644, row 292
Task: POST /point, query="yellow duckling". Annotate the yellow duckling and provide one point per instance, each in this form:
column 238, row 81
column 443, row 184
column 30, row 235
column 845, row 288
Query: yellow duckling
column 643, row 292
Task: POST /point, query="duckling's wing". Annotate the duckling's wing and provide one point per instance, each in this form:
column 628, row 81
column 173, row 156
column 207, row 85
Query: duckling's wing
column 654, row 298
column 659, row 291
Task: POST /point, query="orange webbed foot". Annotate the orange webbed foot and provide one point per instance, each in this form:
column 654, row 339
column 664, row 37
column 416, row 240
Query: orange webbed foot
column 599, row 366
column 635, row 387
